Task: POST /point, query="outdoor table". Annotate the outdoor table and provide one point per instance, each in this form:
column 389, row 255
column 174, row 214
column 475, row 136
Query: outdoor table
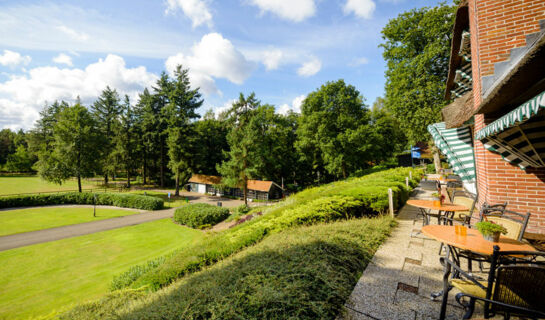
column 442, row 180
column 424, row 205
column 472, row 241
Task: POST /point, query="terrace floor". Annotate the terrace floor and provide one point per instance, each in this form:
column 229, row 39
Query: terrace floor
column 405, row 270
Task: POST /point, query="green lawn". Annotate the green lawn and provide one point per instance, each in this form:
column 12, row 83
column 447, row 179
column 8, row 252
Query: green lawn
column 33, row 184
column 42, row 278
column 24, row 220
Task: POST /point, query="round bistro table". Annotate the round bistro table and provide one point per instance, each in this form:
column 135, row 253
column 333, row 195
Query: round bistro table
column 472, row 241
column 429, row 205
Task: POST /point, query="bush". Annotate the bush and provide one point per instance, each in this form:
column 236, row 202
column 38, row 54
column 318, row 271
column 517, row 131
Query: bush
column 354, row 197
column 110, row 199
column 197, row 215
column 303, row 273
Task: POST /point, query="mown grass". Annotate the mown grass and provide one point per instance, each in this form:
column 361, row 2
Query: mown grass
column 25, row 220
column 173, row 202
column 34, row 184
column 302, row 273
column 42, row 278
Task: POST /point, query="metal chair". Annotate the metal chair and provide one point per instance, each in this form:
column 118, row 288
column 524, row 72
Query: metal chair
column 466, row 199
column 514, row 222
column 515, row 285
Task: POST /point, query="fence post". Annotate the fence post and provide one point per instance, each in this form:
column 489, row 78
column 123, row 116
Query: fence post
column 407, row 181
column 391, row 201
column 410, row 175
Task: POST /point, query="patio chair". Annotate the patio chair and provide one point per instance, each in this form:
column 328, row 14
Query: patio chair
column 515, row 286
column 464, row 217
column 514, row 222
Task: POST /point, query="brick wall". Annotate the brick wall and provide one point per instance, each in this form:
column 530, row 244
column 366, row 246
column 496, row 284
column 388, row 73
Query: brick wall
column 503, row 25
column 496, row 27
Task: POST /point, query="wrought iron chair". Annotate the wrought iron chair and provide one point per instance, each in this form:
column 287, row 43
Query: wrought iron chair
column 514, row 222
column 515, row 285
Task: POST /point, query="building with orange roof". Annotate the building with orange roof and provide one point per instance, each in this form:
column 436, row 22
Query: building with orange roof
column 257, row 189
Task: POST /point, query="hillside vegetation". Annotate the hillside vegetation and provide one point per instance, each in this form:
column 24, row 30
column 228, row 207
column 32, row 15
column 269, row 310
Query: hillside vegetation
column 352, row 198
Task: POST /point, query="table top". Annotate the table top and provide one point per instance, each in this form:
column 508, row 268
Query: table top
column 429, row 204
column 473, row 241
column 442, row 180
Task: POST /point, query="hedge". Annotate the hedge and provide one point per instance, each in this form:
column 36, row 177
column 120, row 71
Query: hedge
column 300, row 273
column 110, row 199
column 351, row 198
column 198, row 215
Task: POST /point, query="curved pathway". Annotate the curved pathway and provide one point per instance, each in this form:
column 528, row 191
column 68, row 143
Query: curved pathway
column 75, row 230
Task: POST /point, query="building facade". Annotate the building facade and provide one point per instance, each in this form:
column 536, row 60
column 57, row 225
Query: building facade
column 257, row 189
column 496, row 84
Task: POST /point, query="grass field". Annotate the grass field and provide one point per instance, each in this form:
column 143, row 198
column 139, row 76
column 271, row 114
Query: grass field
column 24, row 220
column 34, row 184
column 42, row 278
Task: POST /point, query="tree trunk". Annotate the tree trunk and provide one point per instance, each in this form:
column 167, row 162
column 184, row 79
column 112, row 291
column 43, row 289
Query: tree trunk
column 343, row 166
column 128, row 178
column 79, row 182
column 145, row 170
column 106, row 179
column 436, row 160
column 177, row 192
column 161, row 170
column 245, row 190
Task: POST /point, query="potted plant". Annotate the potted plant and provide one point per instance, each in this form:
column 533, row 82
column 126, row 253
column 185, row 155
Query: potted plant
column 436, row 197
column 490, row 230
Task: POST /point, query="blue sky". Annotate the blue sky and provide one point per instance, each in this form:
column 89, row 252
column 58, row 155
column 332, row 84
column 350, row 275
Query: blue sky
column 281, row 49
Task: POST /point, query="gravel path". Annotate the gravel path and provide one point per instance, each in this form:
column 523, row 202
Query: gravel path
column 52, row 234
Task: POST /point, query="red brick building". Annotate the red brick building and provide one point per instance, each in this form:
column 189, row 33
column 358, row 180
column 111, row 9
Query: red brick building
column 496, row 84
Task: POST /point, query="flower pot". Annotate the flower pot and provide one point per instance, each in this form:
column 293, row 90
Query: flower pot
column 494, row 237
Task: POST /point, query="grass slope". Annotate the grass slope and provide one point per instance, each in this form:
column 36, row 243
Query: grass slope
column 302, row 273
column 39, row 279
column 33, row 184
column 25, row 220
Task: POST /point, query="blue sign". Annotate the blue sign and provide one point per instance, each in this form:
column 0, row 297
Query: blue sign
column 416, row 155
column 169, row 195
column 415, row 148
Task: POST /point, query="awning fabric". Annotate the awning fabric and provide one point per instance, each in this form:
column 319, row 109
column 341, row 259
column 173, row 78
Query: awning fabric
column 519, row 136
column 456, row 144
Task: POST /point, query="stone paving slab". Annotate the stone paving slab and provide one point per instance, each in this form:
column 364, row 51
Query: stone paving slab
column 404, row 271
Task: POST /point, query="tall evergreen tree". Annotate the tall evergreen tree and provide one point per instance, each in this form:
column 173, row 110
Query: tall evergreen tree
column 106, row 111
column 243, row 157
column 183, row 103
column 125, row 150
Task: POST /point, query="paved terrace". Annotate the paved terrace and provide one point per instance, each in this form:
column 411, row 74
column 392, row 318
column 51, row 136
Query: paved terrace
column 405, row 270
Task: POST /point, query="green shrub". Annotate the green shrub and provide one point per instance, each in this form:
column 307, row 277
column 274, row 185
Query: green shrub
column 354, row 197
column 123, row 200
column 197, row 215
column 302, row 273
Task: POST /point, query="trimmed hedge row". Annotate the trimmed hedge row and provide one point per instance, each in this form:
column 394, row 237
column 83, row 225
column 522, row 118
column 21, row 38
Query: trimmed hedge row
column 122, row 200
column 199, row 215
column 350, row 198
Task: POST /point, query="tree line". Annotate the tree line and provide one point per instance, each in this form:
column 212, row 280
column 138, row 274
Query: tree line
column 163, row 140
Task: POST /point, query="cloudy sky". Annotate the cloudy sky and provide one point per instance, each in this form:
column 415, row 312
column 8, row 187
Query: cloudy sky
column 280, row 49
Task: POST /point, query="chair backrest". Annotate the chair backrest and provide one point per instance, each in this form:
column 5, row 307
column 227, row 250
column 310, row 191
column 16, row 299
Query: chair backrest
column 516, row 278
column 514, row 222
column 466, row 199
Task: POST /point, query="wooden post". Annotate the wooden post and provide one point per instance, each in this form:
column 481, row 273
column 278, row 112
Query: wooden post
column 391, row 201
column 407, row 181
column 410, row 175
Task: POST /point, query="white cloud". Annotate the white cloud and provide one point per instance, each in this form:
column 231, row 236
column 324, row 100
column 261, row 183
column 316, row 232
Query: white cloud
column 272, row 58
column 361, row 8
column 359, row 61
column 63, row 59
column 196, row 10
column 213, row 57
column 310, row 68
column 293, row 10
column 295, row 105
column 79, row 36
column 23, row 96
column 12, row 59
column 226, row 106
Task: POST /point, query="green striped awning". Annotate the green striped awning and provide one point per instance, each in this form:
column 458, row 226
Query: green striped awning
column 456, row 144
column 519, row 136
